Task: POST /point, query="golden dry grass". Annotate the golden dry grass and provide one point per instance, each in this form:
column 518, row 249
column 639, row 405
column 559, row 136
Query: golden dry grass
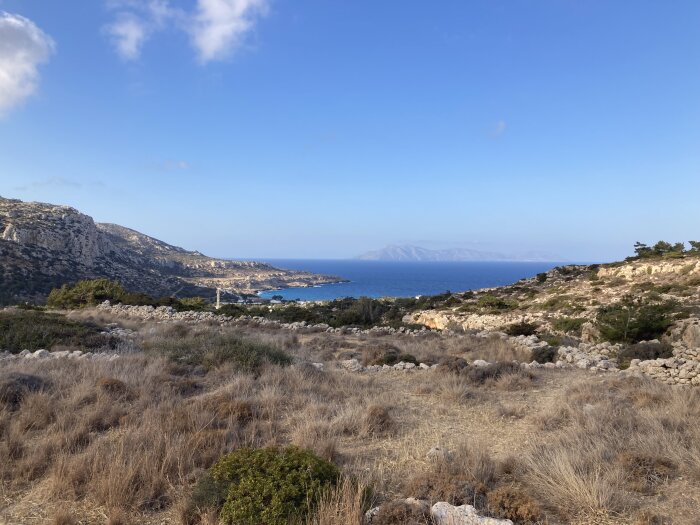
column 124, row 441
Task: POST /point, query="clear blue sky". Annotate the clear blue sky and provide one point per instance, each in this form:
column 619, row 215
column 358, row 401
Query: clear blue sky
column 325, row 128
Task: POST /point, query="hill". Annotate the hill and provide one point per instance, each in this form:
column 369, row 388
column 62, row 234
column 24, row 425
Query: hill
column 43, row 246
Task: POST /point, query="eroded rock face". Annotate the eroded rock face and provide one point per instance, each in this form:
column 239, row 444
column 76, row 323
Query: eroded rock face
column 53, row 228
column 43, row 246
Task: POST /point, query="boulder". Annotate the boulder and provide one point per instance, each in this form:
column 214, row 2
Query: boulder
column 445, row 514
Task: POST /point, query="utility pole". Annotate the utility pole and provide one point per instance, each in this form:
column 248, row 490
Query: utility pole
column 218, row 298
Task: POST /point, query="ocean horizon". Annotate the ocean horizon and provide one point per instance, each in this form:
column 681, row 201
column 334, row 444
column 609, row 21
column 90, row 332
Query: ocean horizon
column 402, row 278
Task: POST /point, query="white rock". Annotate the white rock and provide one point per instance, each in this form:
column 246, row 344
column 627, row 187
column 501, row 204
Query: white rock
column 445, row 514
column 480, row 363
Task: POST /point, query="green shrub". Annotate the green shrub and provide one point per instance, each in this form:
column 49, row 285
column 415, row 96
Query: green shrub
column 494, row 304
column 569, row 325
column 546, row 354
column 541, row 277
column 85, row 293
column 33, row 330
column 211, row 351
column 633, row 320
column 265, row 486
column 232, row 310
column 643, row 351
column 521, row 328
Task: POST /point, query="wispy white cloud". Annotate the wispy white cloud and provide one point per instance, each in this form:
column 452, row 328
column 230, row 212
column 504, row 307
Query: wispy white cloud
column 221, row 25
column 128, row 34
column 23, row 47
column 217, row 28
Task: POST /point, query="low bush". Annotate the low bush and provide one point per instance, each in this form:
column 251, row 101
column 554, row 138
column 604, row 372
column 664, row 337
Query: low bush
column 15, row 386
column 643, row 351
column 493, row 304
column 33, row 330
column 386, row 355
column 377, row 421
column 547, row 354
column 270, row 486
column 212, row 351
column 521, row 328
column 480, row 374
column 513, row 504
column 452, row 364
column 569, row 325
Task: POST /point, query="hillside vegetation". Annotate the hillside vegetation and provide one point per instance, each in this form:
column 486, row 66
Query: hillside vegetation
column 543, row 402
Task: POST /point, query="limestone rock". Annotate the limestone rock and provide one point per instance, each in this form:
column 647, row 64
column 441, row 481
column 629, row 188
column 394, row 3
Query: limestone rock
column 445, row 514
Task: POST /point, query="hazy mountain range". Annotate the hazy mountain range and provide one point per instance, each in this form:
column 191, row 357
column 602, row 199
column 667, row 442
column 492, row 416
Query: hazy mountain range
column 418, row 254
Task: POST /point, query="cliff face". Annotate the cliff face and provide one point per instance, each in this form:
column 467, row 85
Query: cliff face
column 43, row 246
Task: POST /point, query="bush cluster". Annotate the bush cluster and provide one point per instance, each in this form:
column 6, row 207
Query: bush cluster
column 643, row 351
column 569, row 325
column 521, row 328
column 493, row 304
column 212, row 351
column 634, row 319
column 34, row 330
column 270, row 486
column 85, row 293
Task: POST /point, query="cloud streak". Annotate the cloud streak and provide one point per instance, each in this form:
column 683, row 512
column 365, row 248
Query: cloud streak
column 217, row 28
column 23, row 48
column 57, row 182
column 128, row 34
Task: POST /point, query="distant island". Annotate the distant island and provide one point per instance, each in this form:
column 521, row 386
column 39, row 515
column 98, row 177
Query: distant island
column 409, row 253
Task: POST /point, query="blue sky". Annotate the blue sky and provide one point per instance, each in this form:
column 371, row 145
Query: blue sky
column 325, row 128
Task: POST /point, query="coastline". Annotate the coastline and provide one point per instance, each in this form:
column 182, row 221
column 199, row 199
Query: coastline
column 385, row 279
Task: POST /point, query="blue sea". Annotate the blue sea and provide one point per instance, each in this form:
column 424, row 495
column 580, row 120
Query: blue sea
column 403, row 279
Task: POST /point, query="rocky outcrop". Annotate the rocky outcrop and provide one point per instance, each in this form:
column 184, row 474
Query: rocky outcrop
column 43, row 246
column 652, row 268
column 446, row 320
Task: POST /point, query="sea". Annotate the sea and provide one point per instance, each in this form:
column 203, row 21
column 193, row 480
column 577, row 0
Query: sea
column 402, row 279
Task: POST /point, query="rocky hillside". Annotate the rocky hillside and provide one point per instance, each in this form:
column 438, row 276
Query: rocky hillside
column 43, row 246
column 573, row 293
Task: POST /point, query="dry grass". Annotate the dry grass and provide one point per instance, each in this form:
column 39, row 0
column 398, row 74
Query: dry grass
column 613, row 440
column 126, row 440
column 344, row 505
